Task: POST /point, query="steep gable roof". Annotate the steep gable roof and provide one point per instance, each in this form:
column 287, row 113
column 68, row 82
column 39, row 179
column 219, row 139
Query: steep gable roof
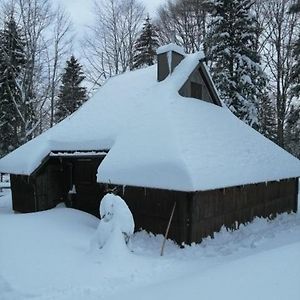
column 159, row 139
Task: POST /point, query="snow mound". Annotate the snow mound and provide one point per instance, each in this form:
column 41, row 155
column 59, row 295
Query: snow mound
column 116, row 225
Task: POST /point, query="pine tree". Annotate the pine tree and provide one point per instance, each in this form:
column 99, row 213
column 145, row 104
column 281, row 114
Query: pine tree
column 72, row 95
column 236, row 64
column 145, row 46
column 12, row 59
column 267, row 117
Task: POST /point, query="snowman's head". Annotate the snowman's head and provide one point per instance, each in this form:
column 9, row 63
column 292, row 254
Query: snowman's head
column 107, row 208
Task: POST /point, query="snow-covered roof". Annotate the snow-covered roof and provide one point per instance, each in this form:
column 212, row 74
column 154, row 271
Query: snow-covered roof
column 159, row 139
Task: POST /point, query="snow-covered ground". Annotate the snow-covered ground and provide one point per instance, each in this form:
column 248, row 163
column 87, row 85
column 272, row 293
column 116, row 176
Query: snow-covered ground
column 46, row 256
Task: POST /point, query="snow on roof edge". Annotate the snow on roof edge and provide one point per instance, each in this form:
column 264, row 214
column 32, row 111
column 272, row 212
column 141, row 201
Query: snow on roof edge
column 189, row 189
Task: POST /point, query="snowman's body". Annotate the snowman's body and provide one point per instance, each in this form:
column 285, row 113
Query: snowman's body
column 116, row 220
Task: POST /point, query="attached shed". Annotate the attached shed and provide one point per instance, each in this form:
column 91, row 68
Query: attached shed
column 63, row 176
column 161, row 135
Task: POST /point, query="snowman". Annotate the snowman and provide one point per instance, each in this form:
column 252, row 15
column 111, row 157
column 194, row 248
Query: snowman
column 116, row 224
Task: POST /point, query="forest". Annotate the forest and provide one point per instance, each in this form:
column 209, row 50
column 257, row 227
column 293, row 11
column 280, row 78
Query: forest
column 252, row 49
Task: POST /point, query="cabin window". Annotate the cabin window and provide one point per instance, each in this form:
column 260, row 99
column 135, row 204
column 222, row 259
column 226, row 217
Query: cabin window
column 196, row 90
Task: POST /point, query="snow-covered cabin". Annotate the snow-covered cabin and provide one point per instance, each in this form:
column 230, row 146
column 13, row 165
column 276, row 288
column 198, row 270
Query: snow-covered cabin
column 161, row 135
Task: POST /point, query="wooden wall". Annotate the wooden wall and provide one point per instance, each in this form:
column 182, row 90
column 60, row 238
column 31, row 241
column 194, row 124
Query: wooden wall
column 210, row 210
column 48, row 185
column 42, row 191
column 197, row 215
column 51, row 183
column 22, row 189
column 88, row 191
column 151, row 209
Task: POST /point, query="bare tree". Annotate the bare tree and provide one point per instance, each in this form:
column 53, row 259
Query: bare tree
column 183, row 22
column 108, row 47
column 58, row 49
column 279, row 32
column 35, row 18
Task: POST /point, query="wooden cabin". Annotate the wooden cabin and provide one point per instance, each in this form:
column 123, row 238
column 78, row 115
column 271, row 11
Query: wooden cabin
column 217, row 170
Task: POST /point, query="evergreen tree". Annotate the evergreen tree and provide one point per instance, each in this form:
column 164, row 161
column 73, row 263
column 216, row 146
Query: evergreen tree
column 145, row 46
column 12, row 59
column 72, row 95
column 267, row 117
column 236, row 69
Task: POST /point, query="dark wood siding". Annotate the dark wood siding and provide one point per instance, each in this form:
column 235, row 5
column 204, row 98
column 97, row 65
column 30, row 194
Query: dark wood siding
column 52, row 183
column 88, row 191
column 49, row 185
column 197, row 215
column 151, row 209
column 210, row 210
column 23, row 197
column 196, row 90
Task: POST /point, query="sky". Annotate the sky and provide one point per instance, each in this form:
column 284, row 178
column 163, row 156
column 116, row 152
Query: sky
column 81, row 10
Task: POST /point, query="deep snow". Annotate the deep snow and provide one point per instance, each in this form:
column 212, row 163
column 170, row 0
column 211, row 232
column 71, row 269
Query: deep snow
column 45, row 256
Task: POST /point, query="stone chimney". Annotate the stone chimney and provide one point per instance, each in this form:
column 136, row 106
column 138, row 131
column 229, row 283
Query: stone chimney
column 168, row 57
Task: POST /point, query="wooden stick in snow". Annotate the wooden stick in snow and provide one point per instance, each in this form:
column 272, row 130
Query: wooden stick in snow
column 167, row 231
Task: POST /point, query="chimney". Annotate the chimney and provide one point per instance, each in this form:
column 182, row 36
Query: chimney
column 168, row 57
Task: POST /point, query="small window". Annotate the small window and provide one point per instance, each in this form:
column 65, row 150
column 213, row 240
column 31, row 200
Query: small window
column 196, row 90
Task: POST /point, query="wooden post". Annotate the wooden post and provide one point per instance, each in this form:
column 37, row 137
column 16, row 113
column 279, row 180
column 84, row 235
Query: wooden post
column 167, row 231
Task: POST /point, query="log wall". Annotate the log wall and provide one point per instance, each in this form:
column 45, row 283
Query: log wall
column 151, row 209
column 51, row 184
column 22, row 189
column 210, row 210
column 197, row 215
